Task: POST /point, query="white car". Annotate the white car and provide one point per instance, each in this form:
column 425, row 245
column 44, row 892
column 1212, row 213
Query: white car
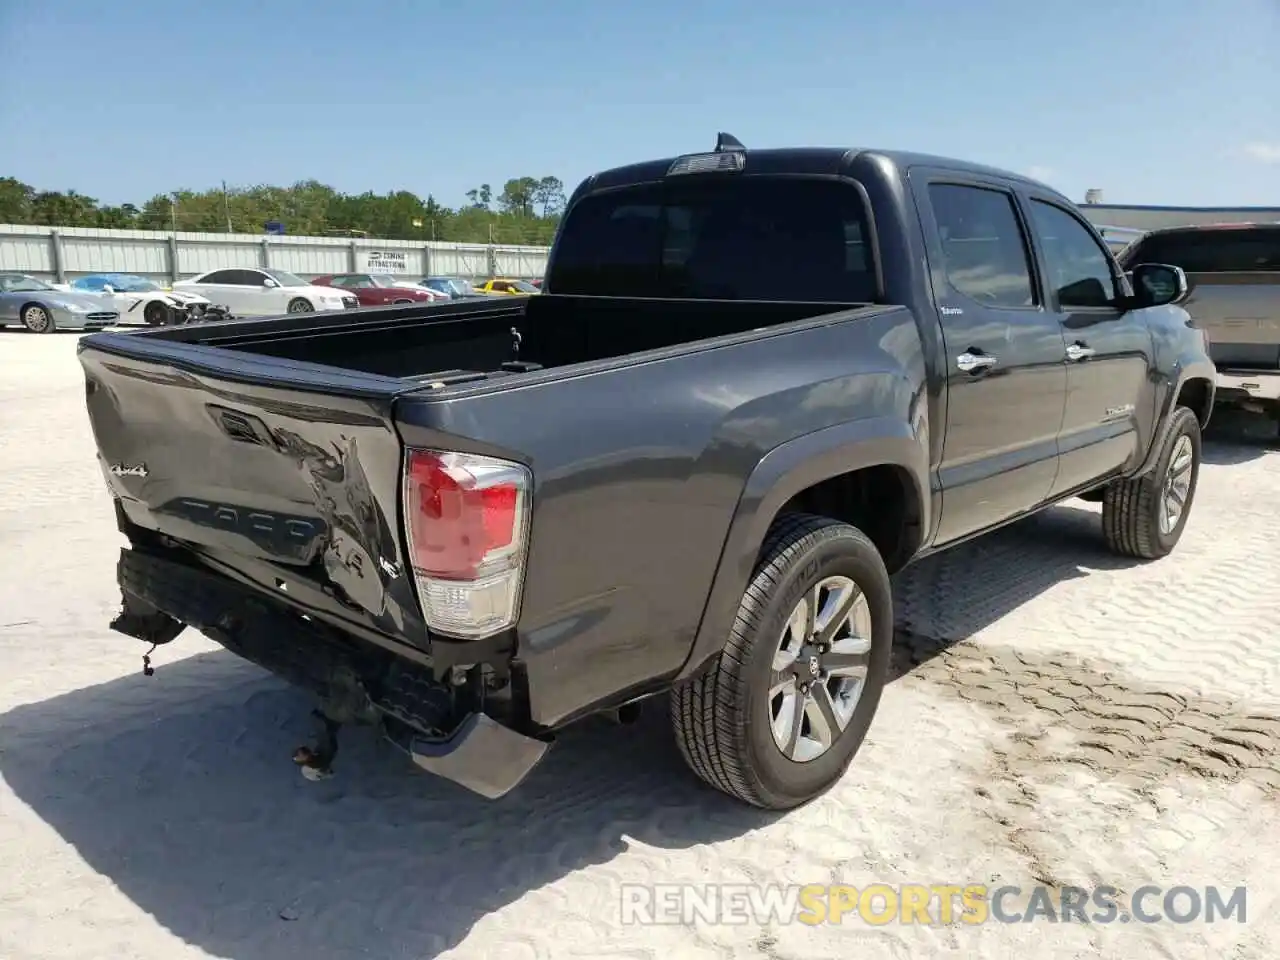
column 137, row 299
column 264, row 292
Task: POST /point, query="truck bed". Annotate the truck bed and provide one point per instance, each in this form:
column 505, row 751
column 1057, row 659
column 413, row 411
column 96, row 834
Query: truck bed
column 465, row 342
column 270, row 450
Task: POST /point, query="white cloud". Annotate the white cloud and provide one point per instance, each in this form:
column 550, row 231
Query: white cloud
column 1262, row 152
column 1044, row 174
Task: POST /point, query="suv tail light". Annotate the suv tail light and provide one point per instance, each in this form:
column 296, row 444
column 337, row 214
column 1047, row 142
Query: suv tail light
column 466, row 520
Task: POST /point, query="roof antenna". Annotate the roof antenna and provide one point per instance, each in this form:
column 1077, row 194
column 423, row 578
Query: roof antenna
column 727, row 142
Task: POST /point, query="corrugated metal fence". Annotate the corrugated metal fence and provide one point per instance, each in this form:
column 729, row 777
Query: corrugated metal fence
column 64, row 253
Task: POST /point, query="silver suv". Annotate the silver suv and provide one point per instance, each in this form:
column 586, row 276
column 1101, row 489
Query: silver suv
column 1234, row 275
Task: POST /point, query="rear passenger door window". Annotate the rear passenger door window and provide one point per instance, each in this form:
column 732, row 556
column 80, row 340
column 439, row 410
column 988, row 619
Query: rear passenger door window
column 247, row 278
column 983, row 246
column 1077, row 264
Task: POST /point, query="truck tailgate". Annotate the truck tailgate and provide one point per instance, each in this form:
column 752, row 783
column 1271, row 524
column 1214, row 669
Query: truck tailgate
column 284, row 474
column 1241, row 314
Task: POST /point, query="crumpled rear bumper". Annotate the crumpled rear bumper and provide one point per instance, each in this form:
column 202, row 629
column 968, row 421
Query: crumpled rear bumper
column 357, row 680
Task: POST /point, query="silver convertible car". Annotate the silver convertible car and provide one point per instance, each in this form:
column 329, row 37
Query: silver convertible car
column 43, row 309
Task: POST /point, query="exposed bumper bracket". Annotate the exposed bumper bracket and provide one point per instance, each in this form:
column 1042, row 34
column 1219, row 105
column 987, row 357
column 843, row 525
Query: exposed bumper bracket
column 480, row 754
column 139, row 619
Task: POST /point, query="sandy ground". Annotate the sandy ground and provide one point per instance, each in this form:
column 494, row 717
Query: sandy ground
column 1058, row 717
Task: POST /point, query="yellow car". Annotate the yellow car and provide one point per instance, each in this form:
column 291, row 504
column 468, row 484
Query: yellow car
column 514, row 288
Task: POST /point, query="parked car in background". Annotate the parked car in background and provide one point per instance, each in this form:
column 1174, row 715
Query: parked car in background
column 42, row 308
column 265, row 292
column 1233, row 270
column 376, row 290
column 139, row 299
column 507, row 287
column 456, row 288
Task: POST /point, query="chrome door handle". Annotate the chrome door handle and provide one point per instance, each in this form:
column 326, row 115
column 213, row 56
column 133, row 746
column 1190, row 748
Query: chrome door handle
column 969, row 362
column 1078, row 351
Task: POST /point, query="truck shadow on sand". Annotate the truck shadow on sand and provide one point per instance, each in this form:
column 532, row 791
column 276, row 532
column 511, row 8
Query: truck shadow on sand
column 179, row 788
column 1237, row 436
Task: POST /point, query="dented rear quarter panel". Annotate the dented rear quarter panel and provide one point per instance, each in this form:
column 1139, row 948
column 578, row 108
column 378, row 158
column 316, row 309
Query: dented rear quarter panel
column 638, row 474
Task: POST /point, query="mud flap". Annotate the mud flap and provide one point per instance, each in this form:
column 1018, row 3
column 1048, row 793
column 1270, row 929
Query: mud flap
column 481, row 755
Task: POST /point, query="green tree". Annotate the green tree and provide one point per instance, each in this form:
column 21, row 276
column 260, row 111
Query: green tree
column 123, row 217
column 157, row 213
column 548, row 194
column 69, row 209
column 518, row 196
column 481, row 196
column 15, row 201
column 527, row 211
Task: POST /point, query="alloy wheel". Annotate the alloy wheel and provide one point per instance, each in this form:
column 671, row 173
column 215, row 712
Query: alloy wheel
column 1177, row 485
column 819, row 668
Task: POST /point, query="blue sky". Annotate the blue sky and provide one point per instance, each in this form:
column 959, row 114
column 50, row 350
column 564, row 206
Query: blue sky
column 1174, row 102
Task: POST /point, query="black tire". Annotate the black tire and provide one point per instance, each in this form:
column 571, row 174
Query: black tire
column 1131, row 509
column 721, row 717
column 156, row 314
column 301, row 305
column 37, row 318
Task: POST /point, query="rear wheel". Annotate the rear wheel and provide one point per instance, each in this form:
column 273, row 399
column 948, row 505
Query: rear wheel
column 1145, row 516
column 37, row 319
column 300, row 305
column 778, row 717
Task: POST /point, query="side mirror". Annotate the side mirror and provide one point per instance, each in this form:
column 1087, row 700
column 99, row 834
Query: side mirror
column 1158, row 284
column 108, row 288
column 270, row 284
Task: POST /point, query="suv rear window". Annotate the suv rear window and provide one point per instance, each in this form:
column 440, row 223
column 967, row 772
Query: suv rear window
column 722, row 238
column 1214, row 250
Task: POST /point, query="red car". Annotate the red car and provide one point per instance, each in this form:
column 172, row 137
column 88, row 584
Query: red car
column 374, row 290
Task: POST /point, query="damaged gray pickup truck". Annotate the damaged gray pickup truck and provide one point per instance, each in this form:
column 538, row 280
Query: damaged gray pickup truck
column 758, row 382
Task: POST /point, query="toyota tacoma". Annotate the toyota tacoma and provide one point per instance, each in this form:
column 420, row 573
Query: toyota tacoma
column 756, row 384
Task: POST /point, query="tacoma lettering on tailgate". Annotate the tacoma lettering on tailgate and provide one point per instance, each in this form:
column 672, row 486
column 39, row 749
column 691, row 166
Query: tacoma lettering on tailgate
column 281, row 535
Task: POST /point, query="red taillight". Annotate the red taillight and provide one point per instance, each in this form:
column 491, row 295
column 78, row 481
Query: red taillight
column 458, row 523
column 466, row 525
